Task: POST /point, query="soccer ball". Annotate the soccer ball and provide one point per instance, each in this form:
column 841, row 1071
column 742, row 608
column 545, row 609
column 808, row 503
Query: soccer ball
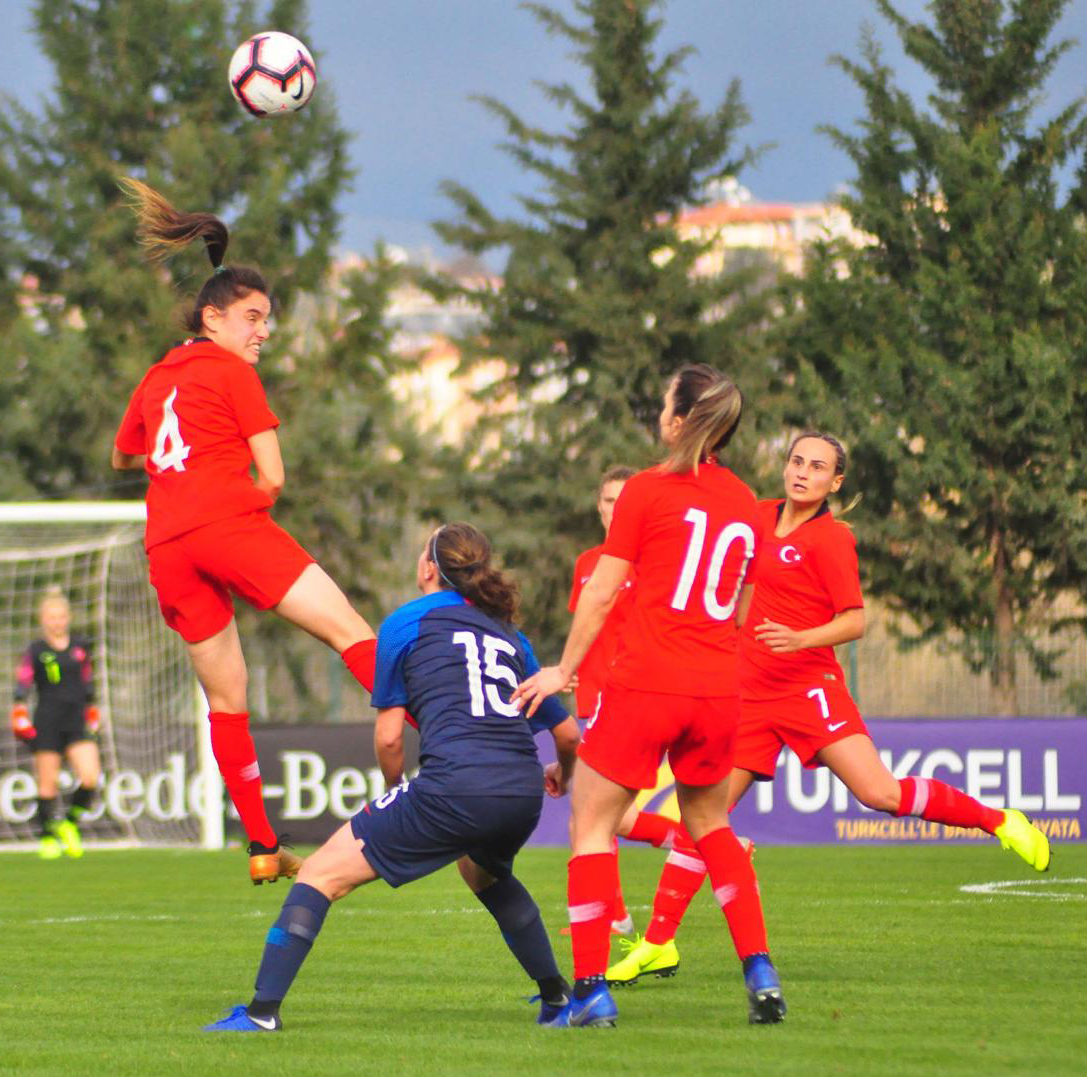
column 272, row 73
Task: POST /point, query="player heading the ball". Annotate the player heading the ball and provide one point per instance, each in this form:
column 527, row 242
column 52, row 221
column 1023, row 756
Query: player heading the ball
column 197, row 422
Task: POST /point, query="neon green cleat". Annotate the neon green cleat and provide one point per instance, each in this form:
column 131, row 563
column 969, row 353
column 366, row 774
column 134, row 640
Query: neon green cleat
column 1019, row 833
column 68, row 834
column 643, row 959
column 49, row 848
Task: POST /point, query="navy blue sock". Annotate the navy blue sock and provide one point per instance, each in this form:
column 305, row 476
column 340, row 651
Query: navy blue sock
column 518, row 918
column 289, row 941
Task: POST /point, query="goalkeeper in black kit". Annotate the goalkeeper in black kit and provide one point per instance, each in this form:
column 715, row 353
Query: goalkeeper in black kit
column 58, row 668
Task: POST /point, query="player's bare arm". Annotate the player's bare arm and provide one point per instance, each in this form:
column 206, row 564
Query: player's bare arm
column 596, row 599
column 389, row 743
column 557, row 775
column 268, row 461
column 844, row 627
column 123, row 461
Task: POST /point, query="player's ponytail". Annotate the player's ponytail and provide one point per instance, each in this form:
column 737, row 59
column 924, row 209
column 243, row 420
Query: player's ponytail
column 710, row 405
column 163, row 231
column 462, row 555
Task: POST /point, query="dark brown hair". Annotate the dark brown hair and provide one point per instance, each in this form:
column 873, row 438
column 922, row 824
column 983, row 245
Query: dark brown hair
column 618, row 473
column 710, row 405
column 164, row 231
column 833, row 442
column 462, row 555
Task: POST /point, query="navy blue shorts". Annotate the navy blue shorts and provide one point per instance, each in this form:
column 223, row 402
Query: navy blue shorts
column 410, row 833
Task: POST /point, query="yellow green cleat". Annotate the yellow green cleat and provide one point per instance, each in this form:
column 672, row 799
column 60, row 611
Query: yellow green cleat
column 68, row 835
column 49, row 848
column 643, row 959
column 1019, row 833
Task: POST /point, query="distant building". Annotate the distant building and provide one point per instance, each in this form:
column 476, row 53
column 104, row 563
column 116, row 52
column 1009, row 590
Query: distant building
column 777, row 233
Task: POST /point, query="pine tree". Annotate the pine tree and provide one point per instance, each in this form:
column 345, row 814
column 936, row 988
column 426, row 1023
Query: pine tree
column 951, row 352
column 598, row 303
column 140, row 88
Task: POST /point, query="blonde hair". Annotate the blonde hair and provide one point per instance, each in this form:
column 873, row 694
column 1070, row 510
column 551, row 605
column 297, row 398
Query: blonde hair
column 710, row 405
column 53, row 594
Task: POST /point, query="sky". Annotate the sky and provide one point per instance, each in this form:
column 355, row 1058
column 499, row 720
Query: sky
column 403, row 73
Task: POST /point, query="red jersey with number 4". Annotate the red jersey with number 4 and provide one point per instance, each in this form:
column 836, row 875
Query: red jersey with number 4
column 803, row 580
column 691, row 539
column 192, row 415
column 596, row 663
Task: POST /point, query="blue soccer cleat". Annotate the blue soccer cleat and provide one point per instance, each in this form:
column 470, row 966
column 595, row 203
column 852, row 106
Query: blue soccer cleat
column 552, row 1015
column 239, row 1020
column 596, row 1011
column 765, row 1002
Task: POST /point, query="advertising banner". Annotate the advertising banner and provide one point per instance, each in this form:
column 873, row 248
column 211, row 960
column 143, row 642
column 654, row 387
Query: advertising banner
column 318, row 776
column 1038, row 765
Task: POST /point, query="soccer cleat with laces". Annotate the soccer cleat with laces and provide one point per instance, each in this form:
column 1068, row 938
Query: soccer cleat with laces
column 765, row 1002
column 1019, row 833
column 598, row 1010
column 268, row 863
column 68, row 835
column 49, row 848
column 239, row 1020
column 643, row 958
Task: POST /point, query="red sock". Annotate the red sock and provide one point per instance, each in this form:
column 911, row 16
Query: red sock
column 736, row 889
column 940, row 803
column 590, row 889
column 236, row 755
column 654, row 829
column 360, row 658
column 683, row 873
column 619, row 906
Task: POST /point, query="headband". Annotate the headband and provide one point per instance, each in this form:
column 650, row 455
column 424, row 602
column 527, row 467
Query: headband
column 434, row 557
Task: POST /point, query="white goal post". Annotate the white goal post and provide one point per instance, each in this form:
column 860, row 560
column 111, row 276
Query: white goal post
column 160, row 784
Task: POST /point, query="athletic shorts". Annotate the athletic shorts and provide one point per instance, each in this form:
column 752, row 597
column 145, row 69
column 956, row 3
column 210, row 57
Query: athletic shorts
column 408, row 833
column 632, row 731
column 196, row 573
column 56, row 733
column 807, row 722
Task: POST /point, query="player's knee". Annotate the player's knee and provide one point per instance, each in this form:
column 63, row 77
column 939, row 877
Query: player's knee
column 880, row 797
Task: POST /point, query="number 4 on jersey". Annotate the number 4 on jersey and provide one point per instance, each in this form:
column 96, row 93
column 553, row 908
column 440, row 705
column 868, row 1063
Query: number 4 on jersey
column 170, row 451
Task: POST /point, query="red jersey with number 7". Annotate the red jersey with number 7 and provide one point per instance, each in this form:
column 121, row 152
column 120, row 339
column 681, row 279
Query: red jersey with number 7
column 192, row 415
column 691, row 539
column 804, row 579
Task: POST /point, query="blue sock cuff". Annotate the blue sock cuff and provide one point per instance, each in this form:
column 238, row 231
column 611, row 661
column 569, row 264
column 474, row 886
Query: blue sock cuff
column 309, row 897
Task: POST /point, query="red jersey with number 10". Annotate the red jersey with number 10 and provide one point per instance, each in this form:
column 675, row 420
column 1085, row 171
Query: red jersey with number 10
column 691, row 539
column 192, row 415
column 802, row 581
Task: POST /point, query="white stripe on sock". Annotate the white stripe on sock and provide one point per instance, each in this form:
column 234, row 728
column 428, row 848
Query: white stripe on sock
column 920, row 796
column 591, row 910
column 250, row 773
column 725, row 894
column 688, row 863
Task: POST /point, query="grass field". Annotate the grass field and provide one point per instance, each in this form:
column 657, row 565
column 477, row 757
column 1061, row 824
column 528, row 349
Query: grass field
column 111, row 964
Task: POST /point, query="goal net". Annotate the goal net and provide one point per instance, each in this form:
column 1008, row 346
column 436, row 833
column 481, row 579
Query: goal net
column 159, row 783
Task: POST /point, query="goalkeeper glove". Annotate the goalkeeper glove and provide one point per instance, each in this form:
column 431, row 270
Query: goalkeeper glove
column 91, row 718
column 21, row 725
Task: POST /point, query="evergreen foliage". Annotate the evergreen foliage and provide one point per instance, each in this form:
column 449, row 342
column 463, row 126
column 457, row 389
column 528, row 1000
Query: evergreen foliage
column 140, row 88
column 598, row 305
column 951, row 351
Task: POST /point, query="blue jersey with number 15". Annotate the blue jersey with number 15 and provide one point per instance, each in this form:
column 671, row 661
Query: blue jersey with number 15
column 454, row 668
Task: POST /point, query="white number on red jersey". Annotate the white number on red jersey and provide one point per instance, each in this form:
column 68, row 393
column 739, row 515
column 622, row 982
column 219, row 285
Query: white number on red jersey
column 733, row 532
column 490, row 667
column 170, row 451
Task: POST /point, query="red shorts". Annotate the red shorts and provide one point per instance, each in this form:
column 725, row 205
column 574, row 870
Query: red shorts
column 807, row 722
column 631, row 732
column 195, row 573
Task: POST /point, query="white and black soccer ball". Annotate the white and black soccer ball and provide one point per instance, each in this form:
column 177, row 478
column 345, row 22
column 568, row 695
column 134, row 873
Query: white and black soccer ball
column 272, row 73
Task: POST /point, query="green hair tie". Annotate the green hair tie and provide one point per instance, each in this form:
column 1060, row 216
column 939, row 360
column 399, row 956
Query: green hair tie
column 218, row 270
